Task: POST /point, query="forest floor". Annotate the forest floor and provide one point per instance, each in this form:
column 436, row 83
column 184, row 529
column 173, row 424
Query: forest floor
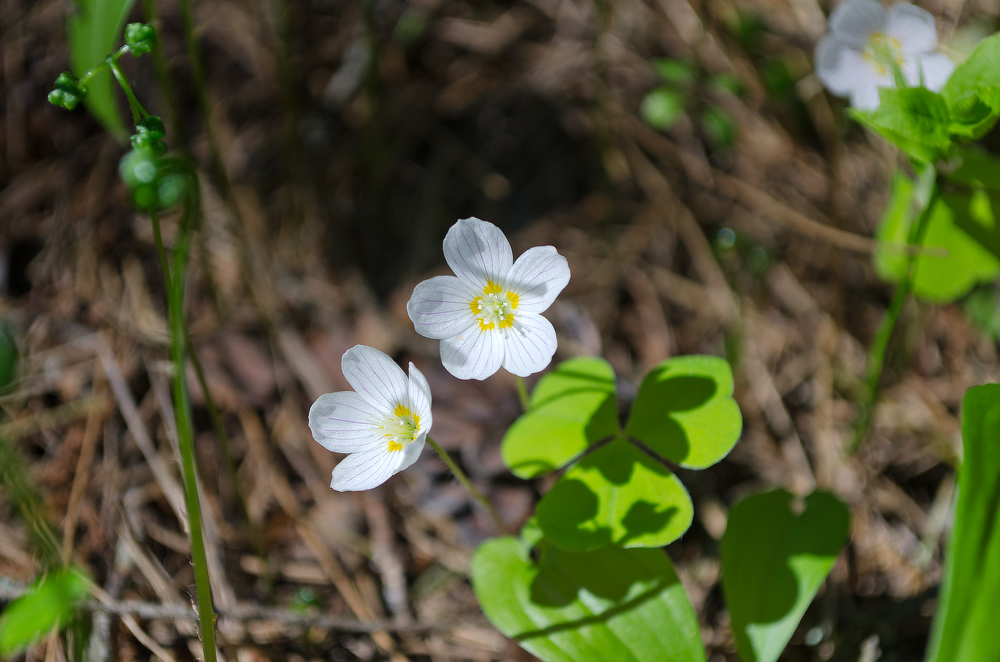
column 343, row 178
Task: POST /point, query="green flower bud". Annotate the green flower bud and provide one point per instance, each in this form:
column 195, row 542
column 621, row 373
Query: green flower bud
column 68, row 92
column 153, row 126
column 139, row 37
column 145, row 143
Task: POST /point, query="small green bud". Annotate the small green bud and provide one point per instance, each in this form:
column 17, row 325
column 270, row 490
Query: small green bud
column 139, row 37
column 145, row 143
column 152, row 125
column 68, row 92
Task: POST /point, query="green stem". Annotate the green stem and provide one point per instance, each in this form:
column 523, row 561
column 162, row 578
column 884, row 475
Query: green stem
column 163, row 78
column 522, row 394
column 138, row 112
column 880, row 344
column 467, row 484
column 213, row 409
column 185, row 430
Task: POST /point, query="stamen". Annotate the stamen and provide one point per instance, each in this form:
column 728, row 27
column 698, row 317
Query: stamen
column 495, row 309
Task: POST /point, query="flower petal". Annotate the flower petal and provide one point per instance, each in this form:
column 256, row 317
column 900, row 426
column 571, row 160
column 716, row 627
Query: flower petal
column 344, row 422
column 837, row 65
column 439, row 307
column 913, row 27
column 477, row 251
column 474, row 354
column 936, row 69
column 865, row 95
column 420, row 399
column 528, row 345
column 411, row 452
column 375, row 377
column 363, row 471
column 537, row 278
column 853, row 21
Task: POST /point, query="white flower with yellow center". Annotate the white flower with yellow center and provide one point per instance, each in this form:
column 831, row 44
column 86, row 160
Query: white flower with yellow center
column 488, row 314
column 383, row 423
column 867, row 44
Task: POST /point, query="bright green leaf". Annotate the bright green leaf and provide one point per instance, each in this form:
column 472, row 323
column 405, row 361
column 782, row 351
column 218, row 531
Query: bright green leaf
column 685, row 411
column 973, row 91
column 572, row 407
column 774, row 559
column 965, row 627
column 625, row 605
column 966, row 227
column 50, row 602
column 914, row 118
column 893, row 228
column 662, row 108
column 616, row 494
column 962, row 239
column 93, row 34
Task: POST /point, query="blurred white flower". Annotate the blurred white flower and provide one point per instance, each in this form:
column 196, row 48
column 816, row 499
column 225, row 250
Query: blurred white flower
column 488, row 315
column 383, row 425
column 866, row 43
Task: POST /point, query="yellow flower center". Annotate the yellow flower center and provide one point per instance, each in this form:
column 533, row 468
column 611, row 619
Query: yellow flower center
column 883, row 53
column 401, row 428
column 495, row 309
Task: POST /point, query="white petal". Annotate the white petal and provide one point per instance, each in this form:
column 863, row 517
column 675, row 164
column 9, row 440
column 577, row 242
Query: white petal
column 473, row 354
column 420, row 399
column 411, row 452
column 363, row 471
column 537, row 278
column 344, row 422
column 439, row 307
column 865, row 97
column 913, row 27
column 937, row 69
column 528, row 345
column 838, row 65
column 375, row 377
column 477, row 251
column 853, row 21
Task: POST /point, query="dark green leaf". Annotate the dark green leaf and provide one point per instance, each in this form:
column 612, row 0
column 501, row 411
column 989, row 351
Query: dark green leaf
column 685, row 411
column 976, row 167
column 774, row 559
column 914, row 118
column 677, row 72
column 50, row 602
column 719, row 126
column 616, row 494
column 93, row 34
column 615, row 604
column 965, row 627
column 571, row 408
column 9, row 358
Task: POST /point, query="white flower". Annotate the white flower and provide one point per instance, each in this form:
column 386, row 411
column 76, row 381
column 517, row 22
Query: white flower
column 866, row 43
column 383, row 425
column 488, row 314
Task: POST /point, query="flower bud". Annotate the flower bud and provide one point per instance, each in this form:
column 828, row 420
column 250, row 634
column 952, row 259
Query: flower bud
column 139, row 37
column 68, row 92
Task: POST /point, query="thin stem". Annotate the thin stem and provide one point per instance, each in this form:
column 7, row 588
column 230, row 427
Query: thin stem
column 185, row 433
column 522, row 394
column 880, row 344
column 138, row 112
column 464, row 480
column 163, row 77
column 213, row 409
